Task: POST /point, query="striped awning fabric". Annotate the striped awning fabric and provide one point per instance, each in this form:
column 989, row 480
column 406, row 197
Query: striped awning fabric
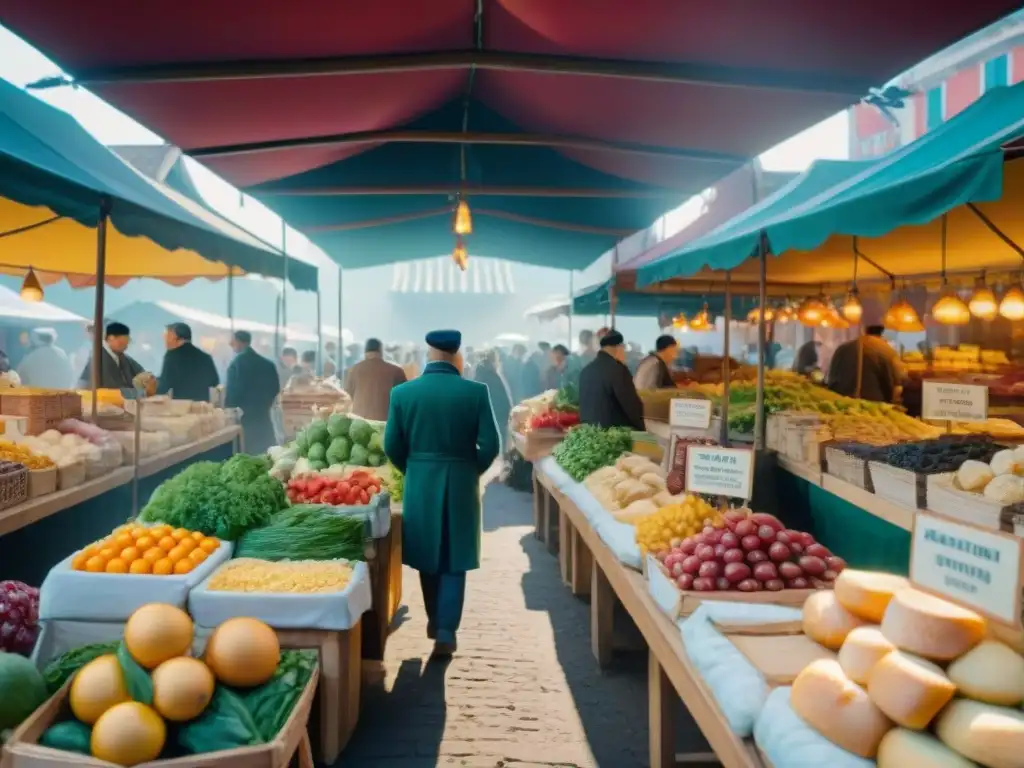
column 441, row 275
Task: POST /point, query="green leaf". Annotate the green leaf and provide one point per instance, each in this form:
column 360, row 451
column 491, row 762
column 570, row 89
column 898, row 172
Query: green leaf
column 225, row 724
column 136, row 679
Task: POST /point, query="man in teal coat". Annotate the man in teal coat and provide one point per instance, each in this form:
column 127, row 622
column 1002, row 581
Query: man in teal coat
column 441, row 435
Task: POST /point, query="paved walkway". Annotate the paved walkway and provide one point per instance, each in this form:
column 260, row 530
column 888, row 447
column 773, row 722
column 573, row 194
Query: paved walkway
column 523, row 689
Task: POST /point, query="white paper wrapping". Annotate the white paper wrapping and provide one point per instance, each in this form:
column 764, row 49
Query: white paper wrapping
column 788, row 742
column 621, row 539
column 82, row 596
column 332, row 610
column 558, row 475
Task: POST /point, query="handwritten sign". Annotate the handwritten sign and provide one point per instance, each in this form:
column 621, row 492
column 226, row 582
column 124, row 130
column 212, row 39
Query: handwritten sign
column 971, row 566
column 942, row 401
column 720, row 471
column 690, row 413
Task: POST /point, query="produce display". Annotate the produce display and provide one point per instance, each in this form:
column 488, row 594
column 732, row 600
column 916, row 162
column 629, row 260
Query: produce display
column 62, row 668
column 396, row 485
column 340, row 439
column 630, row 489
column 944, row 454
column 145, row 698
column 561, row 412
column 587, row 448
column 21, row 454
column 750, row 552
column 358, row 487
column 1000, row 478
column 19, row 617
column 306, row 532
column 664, row 531
column 222, row 499
column 22, row 690
column 302, row 576
column 918, row 681
column 157, row 550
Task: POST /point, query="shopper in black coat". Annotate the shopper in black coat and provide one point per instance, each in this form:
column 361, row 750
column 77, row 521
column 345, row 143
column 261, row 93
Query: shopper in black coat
column 608, row 397
column 188, row 372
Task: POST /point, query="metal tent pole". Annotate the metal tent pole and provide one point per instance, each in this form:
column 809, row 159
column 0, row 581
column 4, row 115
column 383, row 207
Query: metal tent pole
column 319, row 334
column 98, row 326
column 340, row 362
column 572, row 297
column 231, row 298
column 726, row 360
column 284, row 284
column 759, row 415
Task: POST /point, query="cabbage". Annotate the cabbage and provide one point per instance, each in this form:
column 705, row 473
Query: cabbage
column 317, row 453
column 361, row 432
column 359, row 456
column 302, row 442
column 338, row 425
column 318, row 465
column 376, row 443
column 375, row 459
column 316, row 432
column 339, row 450
column 22, row 689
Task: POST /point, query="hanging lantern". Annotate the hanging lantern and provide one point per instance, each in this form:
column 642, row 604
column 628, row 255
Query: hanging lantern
column 463, row 224
column 785, row 313
column 833, row 319
column 1012, row 305
column 459, row 255
column 754, row 315
column 950, row 309
column 902, row 318
column 679, row 322
column 31, row 288
column 983, row 303
column 811, row 312
column 702, row 321
column 852, row 309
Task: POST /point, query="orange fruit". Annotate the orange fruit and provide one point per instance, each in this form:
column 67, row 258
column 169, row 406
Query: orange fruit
column 140, row 566
column 96, row 564
column 180, row 533
column 145, row 541
column 97, row 687
column 176, row 554
column 209, row 545
column 163, row 567
column 198, row 536
column 157, row 632
column 187, row 544
column 183, row 566
column 128, row 733
column 182, row 688
column 79, row 561
column 109, row 553
column 197, row 556
column 117, row 565
column 167, row 543
column 138, row 532
column 243, row 652
column 124, row 540
column 153, row 554
column 129, row 554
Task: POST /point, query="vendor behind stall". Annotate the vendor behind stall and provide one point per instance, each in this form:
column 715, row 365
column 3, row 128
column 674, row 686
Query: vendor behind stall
column 653, row 371
column 188, row 371
column 881, row 376
column 117, row 369
column 608, row 397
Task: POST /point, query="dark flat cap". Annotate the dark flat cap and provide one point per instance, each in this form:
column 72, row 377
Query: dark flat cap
column 612, row 339
column 445, row 341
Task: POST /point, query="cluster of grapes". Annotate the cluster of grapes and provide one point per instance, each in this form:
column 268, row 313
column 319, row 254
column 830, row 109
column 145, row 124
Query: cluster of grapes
column 753, row 552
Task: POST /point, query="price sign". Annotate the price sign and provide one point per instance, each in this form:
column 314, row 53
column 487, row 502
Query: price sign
column 977, row 568
column 720, row 471
column 690, row 413
column 942, row 401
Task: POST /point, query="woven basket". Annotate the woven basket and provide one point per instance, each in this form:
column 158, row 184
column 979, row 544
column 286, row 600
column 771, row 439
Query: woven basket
column 13, row 488
column 42, row 411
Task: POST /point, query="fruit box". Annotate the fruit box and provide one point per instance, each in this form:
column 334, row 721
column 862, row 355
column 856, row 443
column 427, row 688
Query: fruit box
column 678, row 603
column 947, row 498
column 23, row 750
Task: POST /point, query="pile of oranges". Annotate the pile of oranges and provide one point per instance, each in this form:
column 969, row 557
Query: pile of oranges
column 157, row 551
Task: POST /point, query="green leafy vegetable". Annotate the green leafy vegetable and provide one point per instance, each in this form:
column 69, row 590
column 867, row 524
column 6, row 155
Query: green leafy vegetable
column 316, row 432
column 60, row 670
column 359, row 456
column 317, row 452
column 375, row 459
column 587, row 448
column 375, row 443
column 302, row 443
column 272, row 703
column 339, row 451
column 219, row 499
column 307, row 532
column 225, row 724
column 396, row 486
column 136, row 679
column 361, row 431
column 338, row 425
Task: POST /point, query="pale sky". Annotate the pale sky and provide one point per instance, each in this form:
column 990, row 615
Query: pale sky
column 22, row 64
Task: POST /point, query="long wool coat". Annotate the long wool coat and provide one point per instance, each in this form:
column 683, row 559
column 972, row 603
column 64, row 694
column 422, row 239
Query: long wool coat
column 441, row 434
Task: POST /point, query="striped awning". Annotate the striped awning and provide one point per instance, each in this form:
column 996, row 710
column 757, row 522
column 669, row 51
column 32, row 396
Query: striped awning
column 441, row 275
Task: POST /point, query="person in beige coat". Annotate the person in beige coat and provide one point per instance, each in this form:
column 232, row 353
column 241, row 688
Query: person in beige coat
column 370, row 381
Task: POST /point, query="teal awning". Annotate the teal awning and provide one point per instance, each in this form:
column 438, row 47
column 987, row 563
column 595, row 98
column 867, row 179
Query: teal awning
column 596, row 300
column 890, row 204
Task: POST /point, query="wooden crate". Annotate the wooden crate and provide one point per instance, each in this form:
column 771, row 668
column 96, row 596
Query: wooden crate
column 24, row 751
column 946, row 498
column 848, row 467
column 42, row 482
column 538, row 443
column 70, row 405
column 42, row 411
column 900, row 486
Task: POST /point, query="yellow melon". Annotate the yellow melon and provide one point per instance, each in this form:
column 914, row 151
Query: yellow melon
column 158, row 632
column 243, row 652
column 182, row 688
column 97, row 687
column 128, row 734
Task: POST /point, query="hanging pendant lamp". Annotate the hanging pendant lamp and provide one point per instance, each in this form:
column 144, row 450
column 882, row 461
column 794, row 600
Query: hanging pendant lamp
column 460, row 256
column 1012, row 305
column 949, row 309
column 811, row 312
column 463, row 224
column 852, row 309
column 31, row 288
column 702, row 321
column 679, row 322
column 785, row 313
column 754, row 315
column 902, row 317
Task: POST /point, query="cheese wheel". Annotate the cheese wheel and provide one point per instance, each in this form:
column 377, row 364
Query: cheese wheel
column 825, row 621
column 838, row 708
column 908, row 689
column 990, row 672
column 867, row 593
column 911, row 749
column 931, row 627
column 863, row 648
column 992, row 736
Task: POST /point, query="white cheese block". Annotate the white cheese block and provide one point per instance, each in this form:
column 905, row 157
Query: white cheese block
column 992, row 736
column 838, row 708
column 931, row 627
column 911, row 749
column 863, row 648
column 908, row 689
column 867, row 593
column 825, row 621
column 990, row 672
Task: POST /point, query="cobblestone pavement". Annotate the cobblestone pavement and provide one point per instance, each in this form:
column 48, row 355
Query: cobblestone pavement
column 523, row 689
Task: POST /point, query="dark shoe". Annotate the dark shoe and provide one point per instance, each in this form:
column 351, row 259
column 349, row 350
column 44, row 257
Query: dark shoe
column 431, row 632
column 445, row 650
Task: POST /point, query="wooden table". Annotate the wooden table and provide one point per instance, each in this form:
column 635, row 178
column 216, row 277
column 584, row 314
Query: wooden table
column 34, row 510
column 386, row 584
column 340, row 682
column 671, row 674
